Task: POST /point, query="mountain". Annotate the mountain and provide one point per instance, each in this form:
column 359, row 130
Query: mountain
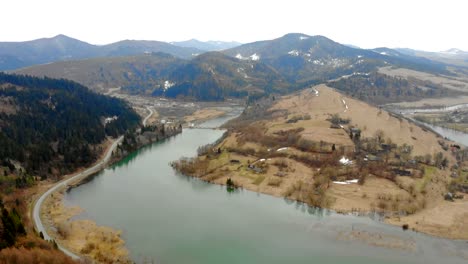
column 134, row 74
column 281, row 65
column 14, row 55
column 210, row 76
column 452, row 56
column 302, row 58
column 52, row 126
column 208, row 45
column 215, row 76
column 20, row 54
column 134, row 47
column 455, row 51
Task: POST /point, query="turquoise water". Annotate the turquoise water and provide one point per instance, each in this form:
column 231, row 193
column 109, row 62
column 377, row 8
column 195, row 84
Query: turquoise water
column 170, row 218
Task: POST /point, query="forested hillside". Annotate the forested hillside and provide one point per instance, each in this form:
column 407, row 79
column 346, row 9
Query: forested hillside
column 53, row 126
column 377, row 88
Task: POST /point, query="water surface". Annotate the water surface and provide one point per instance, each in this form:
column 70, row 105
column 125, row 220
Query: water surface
column 170, row 218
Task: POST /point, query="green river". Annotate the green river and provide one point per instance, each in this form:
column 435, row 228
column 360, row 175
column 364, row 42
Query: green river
column 170, row 218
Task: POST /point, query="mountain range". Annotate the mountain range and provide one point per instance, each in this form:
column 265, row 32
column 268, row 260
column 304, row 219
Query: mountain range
column 14, row 55
column 284, row 64
column 452, row 56
column 208, row 45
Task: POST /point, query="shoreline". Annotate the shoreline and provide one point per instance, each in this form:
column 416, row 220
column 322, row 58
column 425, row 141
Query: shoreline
column 73, row 179
column 386, row 218
column 100, row 243
column 67, row 213
column 37, row 210
column 286, row 177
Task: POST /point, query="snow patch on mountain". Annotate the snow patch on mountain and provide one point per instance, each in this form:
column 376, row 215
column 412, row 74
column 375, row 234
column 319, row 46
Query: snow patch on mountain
column 294, row 53
column 168, row 84
column 255, row 57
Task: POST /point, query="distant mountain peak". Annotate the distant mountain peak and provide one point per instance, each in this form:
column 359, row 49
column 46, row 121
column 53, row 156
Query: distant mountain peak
column 454, row 51
column 212, row 45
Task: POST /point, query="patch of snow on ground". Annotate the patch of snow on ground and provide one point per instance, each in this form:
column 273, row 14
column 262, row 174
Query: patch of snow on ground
column 383, row 53
column 346, row 106
column 303, row 37
column 282, row 149
column 359, row 56
column 107, row 120
column 318, row 62
column 315, row 91
column 346, row 182
column 255, row 57
column 239, row 56
column 345, row 161
column 294, row 53
column 168, row 84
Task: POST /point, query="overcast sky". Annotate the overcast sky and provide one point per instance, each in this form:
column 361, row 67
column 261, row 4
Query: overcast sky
column 427, row 25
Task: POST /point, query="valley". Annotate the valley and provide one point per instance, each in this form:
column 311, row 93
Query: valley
column 314, row 125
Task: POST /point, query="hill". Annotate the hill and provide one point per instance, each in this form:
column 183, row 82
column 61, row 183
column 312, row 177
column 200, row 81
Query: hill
column 215, row 76
column 14, row 55
column 281, row 65
column 134, row 74
column 453, row 56
column 328, row 150
column 208, row 45
column 303, row 58
column 52, row 126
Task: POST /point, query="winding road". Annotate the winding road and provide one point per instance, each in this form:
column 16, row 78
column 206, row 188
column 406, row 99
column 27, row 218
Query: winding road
column 148, row 116
column 36, row 214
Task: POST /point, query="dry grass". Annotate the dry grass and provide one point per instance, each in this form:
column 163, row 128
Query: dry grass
column 100, row 243
column 204, row 114
column 447, row 82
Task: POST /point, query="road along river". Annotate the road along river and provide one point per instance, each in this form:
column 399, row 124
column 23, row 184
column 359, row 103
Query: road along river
column 36, row 214
column 170, row 218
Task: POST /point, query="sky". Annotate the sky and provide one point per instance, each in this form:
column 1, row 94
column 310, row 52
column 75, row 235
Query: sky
column 425, row 25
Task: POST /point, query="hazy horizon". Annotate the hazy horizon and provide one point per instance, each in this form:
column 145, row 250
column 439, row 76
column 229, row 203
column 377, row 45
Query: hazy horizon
column 428, row 25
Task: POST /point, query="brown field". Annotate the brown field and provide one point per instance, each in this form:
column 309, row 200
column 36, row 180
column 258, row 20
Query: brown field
column 204, row 114
column 453, row 83
column 364, row 116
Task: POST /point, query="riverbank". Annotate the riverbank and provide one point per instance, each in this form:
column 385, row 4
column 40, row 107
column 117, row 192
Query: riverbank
column 290, row 150
column 100, row 243
column 37, row 213
column 170, row 218
column 85, row 237
column 79, row 176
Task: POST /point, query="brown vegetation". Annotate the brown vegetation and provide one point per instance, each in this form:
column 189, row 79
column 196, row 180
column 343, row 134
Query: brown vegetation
column 274, row 148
